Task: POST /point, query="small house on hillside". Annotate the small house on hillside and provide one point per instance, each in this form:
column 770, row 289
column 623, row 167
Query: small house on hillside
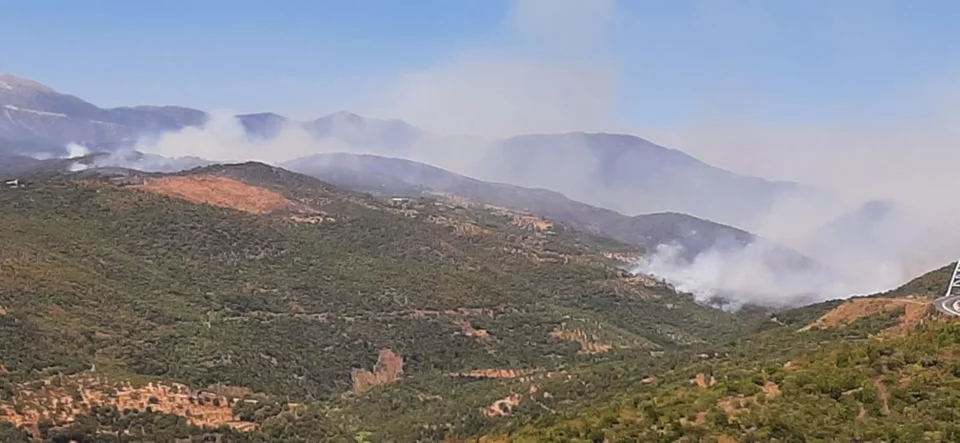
column 15, row 183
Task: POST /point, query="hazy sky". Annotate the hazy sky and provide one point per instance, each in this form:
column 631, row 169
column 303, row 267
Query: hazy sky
column 658, row 62
column 758, row 87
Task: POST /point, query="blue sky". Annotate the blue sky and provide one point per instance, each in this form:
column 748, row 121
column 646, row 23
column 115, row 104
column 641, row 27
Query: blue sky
column 245, row 54
column 658, row 62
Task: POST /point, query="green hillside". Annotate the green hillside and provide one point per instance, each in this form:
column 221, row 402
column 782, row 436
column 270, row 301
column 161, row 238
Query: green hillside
column 889, row 375
column 245, row 303
column 109, row 293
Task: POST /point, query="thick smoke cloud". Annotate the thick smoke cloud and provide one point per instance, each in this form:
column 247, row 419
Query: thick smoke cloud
column 223, row 139
column 733, row 278
column 907, row 162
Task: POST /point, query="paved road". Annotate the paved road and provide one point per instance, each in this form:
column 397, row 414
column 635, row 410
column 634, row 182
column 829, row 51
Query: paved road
column 950, row 303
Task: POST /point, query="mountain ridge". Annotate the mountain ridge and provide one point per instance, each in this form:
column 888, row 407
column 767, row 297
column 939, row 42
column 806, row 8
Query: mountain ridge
column 36, row 112
column 390, row 176
column 622, row 172
column 625, row 169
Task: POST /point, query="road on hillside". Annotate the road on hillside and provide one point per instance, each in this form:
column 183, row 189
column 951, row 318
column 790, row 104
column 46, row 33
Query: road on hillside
column 950, row 304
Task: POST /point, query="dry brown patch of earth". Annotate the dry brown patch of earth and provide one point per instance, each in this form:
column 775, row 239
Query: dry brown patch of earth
column 502, row 407
column 852, row 310
column 532, row 222
column 735, row 405
column 312, row 219
column 496, row 373
column 60, row 400
column 389, row 368
column 468, row 229
column 223, row 192
column 701, row 381
column 732, row 405
column 701, row 419
column 588, row 342
column 467, row 329
column 771, row 389
column 463, row 229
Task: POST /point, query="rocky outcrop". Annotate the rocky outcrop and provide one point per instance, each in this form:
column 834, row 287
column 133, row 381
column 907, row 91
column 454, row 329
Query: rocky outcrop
column 389, row 368
column 502, row 407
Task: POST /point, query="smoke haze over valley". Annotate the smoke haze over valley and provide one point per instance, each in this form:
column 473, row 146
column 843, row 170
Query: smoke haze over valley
column 890, row 245
column 863, row 200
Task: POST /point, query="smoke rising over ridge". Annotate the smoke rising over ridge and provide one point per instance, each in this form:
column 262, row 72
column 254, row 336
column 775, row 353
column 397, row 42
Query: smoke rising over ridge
column 559, row 71
column 906, row 161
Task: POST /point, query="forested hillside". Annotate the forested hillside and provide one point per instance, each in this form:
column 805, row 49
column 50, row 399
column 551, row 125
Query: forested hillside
column 879, row 368
column 248, row 303
column 255, row 283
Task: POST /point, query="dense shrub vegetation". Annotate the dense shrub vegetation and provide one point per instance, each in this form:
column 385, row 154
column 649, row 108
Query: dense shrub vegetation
column 97, row 277
column 135, row 289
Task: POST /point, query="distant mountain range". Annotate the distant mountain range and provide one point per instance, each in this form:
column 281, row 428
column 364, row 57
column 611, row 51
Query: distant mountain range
column 620, row 172
column 399, row 177
column 632, row 175
column 38, row 119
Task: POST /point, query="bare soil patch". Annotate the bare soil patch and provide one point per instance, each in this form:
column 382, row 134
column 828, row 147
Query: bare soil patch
column 60, row 400
column 389, row 368
column 502, row 407
column 531, row 222
column 496, row 373
column 467, row 329
column 588, row 342
column 771, row 389
column 702, row 382
column 223, row 192
column 852, row 310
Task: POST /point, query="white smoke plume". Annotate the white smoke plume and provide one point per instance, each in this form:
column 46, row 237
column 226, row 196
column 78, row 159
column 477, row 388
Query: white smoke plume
column 85, row 158
column 75, row 150
column 223, row 139
column 742, row 276
column 908, row 163
column 558, row 72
